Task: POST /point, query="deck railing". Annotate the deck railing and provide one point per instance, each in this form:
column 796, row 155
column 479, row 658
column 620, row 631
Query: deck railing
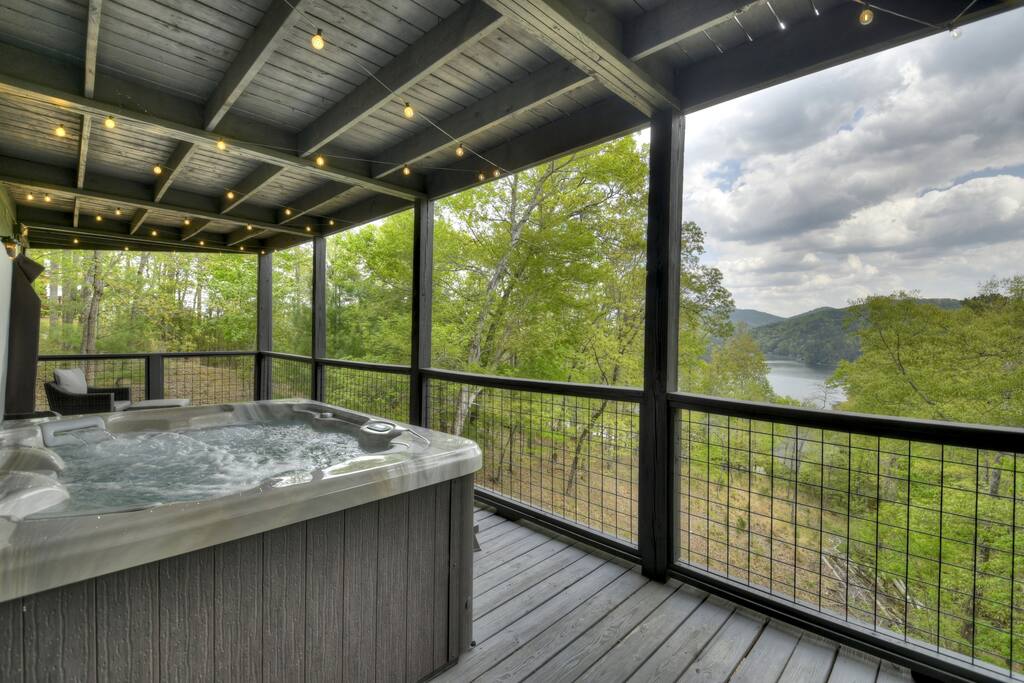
column 899, row 536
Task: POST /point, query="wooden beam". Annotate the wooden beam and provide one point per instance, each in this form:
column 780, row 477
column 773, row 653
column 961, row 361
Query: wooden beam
column 591, row 38
column 241, row 235
column 44, row 178
column 92, row 43
column 75, row 213
column 657, row 443
column 539, row 87
column 276, row 22
column 196, row 226
column 312, row 200
column 463, row 28
column 174, row 166
column 365, row 211
column 814, row 44
column 250, row 184
column 132, row 104
column 83, row 149
column 673, row 22
column 137, row 220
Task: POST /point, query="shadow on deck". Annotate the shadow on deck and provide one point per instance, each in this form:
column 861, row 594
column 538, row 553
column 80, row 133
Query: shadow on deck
column 548, row 609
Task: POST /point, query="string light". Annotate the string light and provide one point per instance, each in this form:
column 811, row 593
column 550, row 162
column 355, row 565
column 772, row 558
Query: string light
column 460, row 151
column 153, row 233
column 317, row 40
column 406, row 170
column 202, row 243
column 47, row 198
column 158, row 169
column 30, row 197
column 309, row 229
column 867, row 15
column 126, row 247
column 241, row 248
column 187, row 221
column 408, row 111
column 320, row 161
column 496, row 172
column 330, row 222
column 955, row 32
column 99, row 218
column 60, row 131
column 75, row 241
column 782, row 24
column 287, row 211
column 109, row 122
column 480, row 176
column 231, row 194
column 117, row 211
column 221, row 145
column 817, row 12
column 248, row 226
column 263, row 252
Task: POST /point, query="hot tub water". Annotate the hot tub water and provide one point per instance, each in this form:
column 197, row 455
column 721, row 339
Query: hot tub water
column 115, row 472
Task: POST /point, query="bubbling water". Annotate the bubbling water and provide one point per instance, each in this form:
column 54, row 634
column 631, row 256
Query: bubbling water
column 141, row 469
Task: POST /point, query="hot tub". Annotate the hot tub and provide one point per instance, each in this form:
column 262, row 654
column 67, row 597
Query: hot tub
column 274, row 540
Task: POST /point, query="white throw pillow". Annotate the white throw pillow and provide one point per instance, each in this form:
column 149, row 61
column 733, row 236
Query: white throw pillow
column 71, row 380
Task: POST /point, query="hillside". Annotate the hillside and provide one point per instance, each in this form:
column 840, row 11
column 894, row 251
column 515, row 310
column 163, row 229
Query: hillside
column 818, row 337
column 753, row 318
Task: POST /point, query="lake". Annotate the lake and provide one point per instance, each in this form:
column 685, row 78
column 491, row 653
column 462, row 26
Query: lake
column 801, row 381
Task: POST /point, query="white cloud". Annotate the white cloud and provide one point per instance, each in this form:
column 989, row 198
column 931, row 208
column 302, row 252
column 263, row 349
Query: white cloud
column 904, row 170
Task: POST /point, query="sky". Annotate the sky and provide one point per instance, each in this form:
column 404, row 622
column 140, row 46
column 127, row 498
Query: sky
column 900, row 171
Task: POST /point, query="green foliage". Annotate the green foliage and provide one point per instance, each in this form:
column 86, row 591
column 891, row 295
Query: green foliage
column 963, row 364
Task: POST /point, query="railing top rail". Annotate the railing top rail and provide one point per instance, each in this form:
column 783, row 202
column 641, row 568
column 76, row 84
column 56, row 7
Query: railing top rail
column 365, row 365
column 541, row 386
column 287, row 356
column 140, row 355
column 984, row 437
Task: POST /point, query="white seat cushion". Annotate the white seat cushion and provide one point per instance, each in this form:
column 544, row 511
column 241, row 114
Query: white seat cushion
column 122, row 405
column 71, row 380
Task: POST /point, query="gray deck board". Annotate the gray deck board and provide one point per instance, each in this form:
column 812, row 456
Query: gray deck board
column 547, row 610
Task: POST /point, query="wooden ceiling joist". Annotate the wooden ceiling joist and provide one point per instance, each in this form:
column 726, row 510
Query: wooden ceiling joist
column 92, row 41
column 312, row 201
column 44, row 178
column 132, row 104
column 591, row 38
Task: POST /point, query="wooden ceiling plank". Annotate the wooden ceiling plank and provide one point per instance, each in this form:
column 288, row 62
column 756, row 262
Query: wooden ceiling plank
column 463, row 28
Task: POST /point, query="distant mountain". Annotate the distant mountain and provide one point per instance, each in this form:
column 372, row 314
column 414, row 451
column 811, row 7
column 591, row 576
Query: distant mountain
column 818, row 337
column 753, row 318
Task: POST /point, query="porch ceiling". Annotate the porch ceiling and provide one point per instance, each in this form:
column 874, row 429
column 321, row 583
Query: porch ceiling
column 516, row 81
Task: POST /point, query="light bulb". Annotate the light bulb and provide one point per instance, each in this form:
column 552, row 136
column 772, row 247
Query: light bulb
column 955, row 32
column 187, row 221
column 330, row 221
column 60, row 131
column 287, row 212
column 241, row 248
column 47, row 198
column 496, row 172
column 867, row 15
column 153, row 233
column 263, row 252
column 231, row 194
column 782, row 25
column 221, row 145
column 320, row 161
column 408, row 111
column 480, row 176
column 117, row 211
column 75, row 241
column 309, row 229
column 202, row 243
column 406, row 170
column 158, row 169
column 317, row 40
column 99, row 218
column 248, row 226
column 126, row 247
column 109, row 122
column 460, row 151
column 30, row 197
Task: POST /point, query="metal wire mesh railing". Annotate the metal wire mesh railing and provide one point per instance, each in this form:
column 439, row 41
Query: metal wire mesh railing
column 571, row 456
column 380, row 393
column 911, row 539
column 291, row 378
column 112, row 371
column 209, row 380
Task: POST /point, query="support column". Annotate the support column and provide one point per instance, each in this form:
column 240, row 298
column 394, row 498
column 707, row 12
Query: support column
column 319, row 346
column 422, row 305
column 264, row 325
column 657, row 506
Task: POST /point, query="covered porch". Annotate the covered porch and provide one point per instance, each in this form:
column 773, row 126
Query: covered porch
column 253, row 129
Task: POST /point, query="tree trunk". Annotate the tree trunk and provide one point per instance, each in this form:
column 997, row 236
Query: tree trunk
column 91, row 315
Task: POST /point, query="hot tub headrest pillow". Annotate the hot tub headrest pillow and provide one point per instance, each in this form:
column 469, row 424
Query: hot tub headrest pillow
column 71, row 380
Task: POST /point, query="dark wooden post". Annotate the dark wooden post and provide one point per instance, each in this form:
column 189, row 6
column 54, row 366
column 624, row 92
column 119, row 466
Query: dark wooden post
column 264, row 325
column 422, row 304
column 319, row 346
column 656, row 495
column 154, row 376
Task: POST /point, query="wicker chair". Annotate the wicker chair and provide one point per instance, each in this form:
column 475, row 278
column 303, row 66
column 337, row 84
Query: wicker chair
column 97, row 400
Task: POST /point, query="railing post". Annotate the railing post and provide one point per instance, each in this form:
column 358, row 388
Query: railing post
column 264, row 326
column 319, row 345
column 657, row 509
column 154, row 376
column 422, row 304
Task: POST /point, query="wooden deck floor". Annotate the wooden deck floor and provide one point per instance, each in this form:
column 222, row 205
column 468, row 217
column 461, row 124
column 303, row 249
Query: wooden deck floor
column 546, row 609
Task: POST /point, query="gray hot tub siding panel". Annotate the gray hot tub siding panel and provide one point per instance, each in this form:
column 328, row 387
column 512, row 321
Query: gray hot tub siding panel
column 327, row 599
